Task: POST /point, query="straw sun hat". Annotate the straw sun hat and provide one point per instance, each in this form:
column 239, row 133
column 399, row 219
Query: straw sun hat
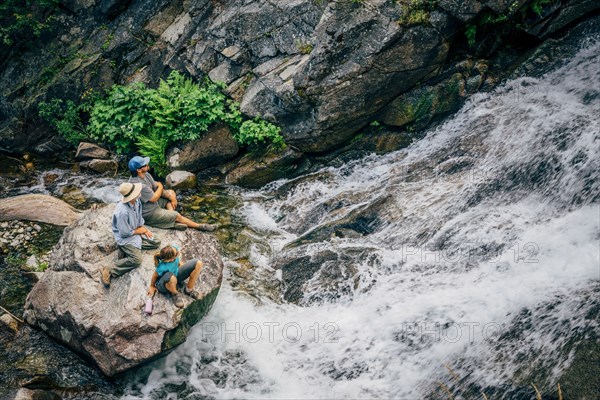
column 129, row 191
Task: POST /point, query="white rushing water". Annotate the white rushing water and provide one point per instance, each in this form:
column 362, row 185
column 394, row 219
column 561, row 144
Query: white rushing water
column 471, row 255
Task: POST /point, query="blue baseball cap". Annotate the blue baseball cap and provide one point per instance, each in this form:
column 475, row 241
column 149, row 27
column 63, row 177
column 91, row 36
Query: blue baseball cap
column 138, row 162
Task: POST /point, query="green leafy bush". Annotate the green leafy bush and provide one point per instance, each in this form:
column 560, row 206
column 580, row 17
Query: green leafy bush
column 471, row 34
column 155, row 146
column 258, row 131
column 137, row 118
column 65, row 118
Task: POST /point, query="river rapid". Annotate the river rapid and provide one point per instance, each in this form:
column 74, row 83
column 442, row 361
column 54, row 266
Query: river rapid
column 465, row 263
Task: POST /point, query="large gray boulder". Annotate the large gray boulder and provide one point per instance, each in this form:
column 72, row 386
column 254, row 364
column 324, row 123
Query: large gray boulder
column 181, row 180
column 109, row 325
column 214, row 147
column 86, row 151
column 257, row 169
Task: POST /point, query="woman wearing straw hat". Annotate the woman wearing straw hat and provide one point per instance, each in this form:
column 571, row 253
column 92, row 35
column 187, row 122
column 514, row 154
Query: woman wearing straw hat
column 130, row 233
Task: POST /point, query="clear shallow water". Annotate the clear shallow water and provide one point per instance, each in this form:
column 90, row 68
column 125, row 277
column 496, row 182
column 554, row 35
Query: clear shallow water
column 471, row 256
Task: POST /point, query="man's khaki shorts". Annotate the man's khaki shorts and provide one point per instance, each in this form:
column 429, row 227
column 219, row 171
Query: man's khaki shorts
column 161, row 218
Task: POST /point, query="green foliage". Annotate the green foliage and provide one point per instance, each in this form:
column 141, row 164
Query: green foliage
column 490, row 18
column 65, row 118
column 42, row 267
column 107, row 42
column 259, row 131
column 136, row 118
column 304, row 47
column 179, row 109
column 233, row 118
column 155, row 146
column 22, row 19
column 537, row 6
column 416, row 12
column 118, row 118
column 471, row 34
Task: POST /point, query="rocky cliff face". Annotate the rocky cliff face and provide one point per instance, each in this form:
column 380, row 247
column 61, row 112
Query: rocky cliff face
column 322, row 70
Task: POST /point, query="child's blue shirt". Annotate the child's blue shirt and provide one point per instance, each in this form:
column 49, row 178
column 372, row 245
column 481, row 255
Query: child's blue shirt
column 172, row 266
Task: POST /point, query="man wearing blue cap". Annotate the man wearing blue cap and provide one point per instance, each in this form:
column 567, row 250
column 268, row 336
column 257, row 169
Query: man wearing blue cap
column 158, row 204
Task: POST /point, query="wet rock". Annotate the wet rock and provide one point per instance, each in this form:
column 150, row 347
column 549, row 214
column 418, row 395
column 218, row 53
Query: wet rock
column 32, row 363
column 359, row 222
column 49, row 178
column 326, row 275
column 214, row 147
column 258, row 168
column 74, row 196
column 28, row 167
column 86, row 151
column 556, row 15
column 38, row 207
column 9, row 322
column 29, row 394
column 31, row 263
column 361, row 52
column 181, row 180
column 108, row 325
column 99, row 166
column 422, row 104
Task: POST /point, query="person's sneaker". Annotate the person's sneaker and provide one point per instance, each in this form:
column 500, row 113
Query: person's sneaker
column 207, row 227
column 194, row 294
column 180, row 227
column 105, row 276
column 178, row 300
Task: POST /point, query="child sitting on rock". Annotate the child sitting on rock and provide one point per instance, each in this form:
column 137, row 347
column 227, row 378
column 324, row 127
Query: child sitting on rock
column 171, row 272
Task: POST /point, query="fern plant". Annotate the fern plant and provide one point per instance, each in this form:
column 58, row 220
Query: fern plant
column 155, row 146
column 135, row 117
column 259, row 131
column 65, row 118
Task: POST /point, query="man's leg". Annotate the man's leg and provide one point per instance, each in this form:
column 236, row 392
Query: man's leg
column 188, row 222
column 165, row 204
column 169, row 204
column 132, row 260
column 150, row 244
